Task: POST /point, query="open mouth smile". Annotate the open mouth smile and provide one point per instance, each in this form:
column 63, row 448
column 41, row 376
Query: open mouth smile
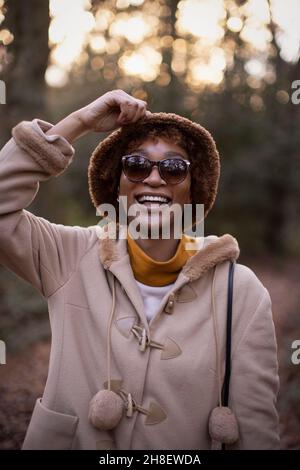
column 152, row 200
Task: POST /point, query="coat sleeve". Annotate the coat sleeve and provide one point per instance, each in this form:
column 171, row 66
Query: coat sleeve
column 42, row 253
column 254, row 380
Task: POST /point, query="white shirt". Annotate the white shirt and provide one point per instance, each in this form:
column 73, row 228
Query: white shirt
column 152, row 297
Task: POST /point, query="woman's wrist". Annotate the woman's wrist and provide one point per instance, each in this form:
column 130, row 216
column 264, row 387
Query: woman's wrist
column 105, row 114
column 71, row 127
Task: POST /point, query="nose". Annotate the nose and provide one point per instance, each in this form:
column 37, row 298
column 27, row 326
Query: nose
column 154, row 179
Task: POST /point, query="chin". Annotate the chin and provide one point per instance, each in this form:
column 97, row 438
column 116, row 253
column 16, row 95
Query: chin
column 154, row 227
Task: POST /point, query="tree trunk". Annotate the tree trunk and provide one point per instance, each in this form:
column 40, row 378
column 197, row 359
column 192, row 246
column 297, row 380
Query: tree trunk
column 171, row 96
column 285, row 119
column 24, row 76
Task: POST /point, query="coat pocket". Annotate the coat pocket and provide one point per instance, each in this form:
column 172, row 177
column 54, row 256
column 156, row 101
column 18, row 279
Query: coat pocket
column 50, row 430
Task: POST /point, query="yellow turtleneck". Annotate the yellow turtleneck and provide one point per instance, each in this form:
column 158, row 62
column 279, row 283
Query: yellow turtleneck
column 158, row 273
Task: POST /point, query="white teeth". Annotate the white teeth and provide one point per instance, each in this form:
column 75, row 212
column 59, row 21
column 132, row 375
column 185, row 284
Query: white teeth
column 152, row 199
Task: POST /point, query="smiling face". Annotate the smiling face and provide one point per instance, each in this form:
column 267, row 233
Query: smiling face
column 154, row 186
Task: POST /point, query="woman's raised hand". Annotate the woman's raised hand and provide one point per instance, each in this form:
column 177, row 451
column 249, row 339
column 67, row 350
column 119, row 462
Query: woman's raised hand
column 112, row 110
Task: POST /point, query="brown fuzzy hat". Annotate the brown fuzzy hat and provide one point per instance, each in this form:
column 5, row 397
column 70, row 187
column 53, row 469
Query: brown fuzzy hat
column 105, row 164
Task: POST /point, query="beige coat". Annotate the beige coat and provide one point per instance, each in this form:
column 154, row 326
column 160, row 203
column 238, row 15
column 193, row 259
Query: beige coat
column 175, row 383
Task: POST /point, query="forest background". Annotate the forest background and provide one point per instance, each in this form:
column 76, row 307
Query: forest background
column 232, row 66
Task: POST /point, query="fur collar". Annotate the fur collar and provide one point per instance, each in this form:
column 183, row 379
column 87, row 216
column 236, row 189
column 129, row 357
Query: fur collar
column 215, row 250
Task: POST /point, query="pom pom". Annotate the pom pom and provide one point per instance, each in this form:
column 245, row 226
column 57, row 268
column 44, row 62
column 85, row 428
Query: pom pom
column 105, row 410
column 223, row 426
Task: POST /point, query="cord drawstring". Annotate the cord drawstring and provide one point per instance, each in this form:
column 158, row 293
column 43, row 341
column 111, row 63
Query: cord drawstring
column 107, row 406
column 109, row 335
column 217, row 340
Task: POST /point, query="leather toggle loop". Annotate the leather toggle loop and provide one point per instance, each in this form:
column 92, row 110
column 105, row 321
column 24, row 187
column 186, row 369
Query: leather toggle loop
column 170, row 304
column 130, row 404
column 154, row 415
column 144, row 340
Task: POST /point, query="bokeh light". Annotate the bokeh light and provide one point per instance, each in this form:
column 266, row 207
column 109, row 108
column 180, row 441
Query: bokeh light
column 201, row 19
column 144, row 62
column 135, row 28
column 200, row 53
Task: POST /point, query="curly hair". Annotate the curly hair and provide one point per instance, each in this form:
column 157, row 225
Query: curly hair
column 105, row 164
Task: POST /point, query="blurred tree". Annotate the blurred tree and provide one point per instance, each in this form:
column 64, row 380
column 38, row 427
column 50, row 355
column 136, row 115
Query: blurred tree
column 255, row 125
column 172, row 96
column 283, row 163
column 28, row 53
column 23, row 313
column 157, row 50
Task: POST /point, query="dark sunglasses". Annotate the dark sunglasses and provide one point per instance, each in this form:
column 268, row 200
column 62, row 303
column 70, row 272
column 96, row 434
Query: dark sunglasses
column 172, row 170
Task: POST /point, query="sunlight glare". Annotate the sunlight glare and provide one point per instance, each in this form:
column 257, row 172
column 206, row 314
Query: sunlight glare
column 122, row 4
column 69, row 37
column 255, row 31
column 112, row 46
column 135, row 27
column 65, row 54
column 201, row 74
column 144, row 63
column 209, row 71
column 56, row 76
column 63, row 7
column 201, row 18
column 199, row 50
column 103, row 19
column 234, row 24
column 257, row 35
column 98, row 44
column 255, row 67
column 258, row 10
column 6, row 37
column 287, row 14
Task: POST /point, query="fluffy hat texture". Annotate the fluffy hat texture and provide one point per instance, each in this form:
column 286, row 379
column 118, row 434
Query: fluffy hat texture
column 105, row 164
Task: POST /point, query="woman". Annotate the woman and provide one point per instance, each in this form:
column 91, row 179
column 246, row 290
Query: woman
column 138, row 325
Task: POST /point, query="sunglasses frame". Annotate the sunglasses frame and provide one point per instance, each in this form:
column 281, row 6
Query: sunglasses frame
column 155, row 163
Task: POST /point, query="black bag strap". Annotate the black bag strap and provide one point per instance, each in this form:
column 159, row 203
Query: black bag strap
column 228, row 335
column 228, row 338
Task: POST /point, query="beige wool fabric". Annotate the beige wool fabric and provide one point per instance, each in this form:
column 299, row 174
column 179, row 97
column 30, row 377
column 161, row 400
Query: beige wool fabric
column 176, row 387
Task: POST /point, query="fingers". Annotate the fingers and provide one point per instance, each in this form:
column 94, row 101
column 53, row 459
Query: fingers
column 128, row 110
column 140, row 112
column 131, row 109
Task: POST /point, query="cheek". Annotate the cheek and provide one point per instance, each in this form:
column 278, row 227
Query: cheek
column 126, row 189
column 123, row 184
column 184, row 192
column 189, row 189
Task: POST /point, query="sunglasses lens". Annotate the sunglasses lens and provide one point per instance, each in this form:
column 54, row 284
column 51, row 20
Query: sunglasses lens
column 136, row 168
column 174, row 170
